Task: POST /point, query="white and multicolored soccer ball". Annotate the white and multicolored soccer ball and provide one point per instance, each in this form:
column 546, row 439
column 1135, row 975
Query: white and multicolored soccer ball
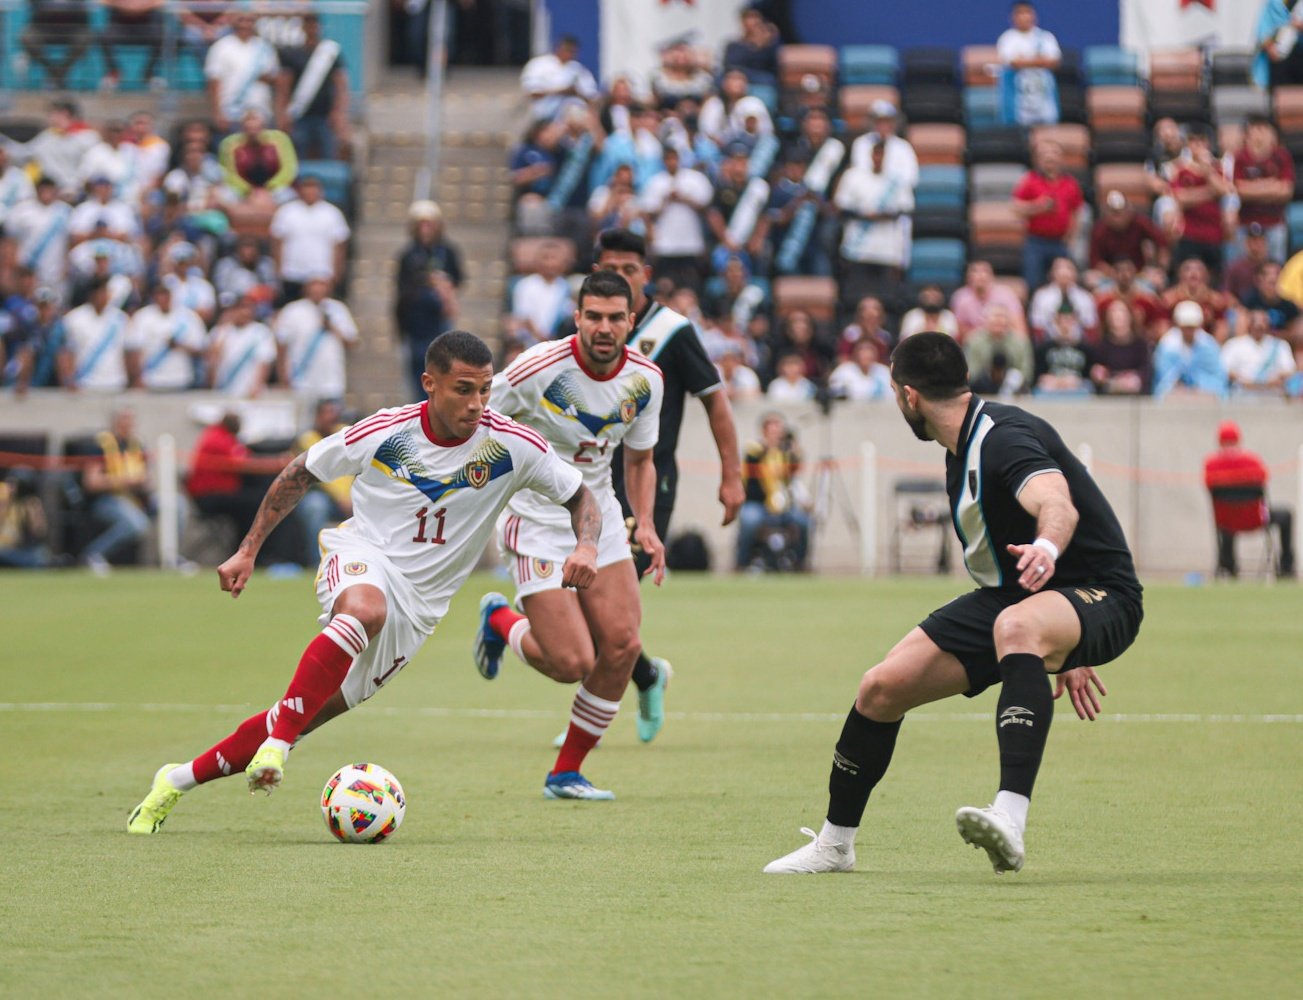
column 363, row 804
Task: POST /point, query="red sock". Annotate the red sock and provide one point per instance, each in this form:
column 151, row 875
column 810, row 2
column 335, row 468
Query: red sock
column 589, row 717
column 502, row 620
column 233, row 754
column 321, row 671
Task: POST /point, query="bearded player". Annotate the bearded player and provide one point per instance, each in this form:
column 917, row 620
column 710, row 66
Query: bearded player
column 585, row 394
column 431, row 479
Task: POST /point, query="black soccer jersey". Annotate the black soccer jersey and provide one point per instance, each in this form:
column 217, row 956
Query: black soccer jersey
column 1001, row 449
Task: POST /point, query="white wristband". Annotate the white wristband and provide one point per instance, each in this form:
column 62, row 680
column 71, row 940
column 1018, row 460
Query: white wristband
column 1048, row 546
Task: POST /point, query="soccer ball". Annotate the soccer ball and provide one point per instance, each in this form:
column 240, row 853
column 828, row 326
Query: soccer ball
column 363, row 804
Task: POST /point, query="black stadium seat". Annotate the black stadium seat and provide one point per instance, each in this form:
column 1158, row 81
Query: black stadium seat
column 1072, row 104
column 1182, row 105
column 1002, row 144
column 939, row 223
column 1121, row 147
column 1003, row 259
column 1068, row 72
column 930, row 65
column 934, row 103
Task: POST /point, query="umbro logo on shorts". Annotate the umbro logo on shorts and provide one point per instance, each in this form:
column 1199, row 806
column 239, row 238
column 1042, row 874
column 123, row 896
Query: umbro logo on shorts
column 1091, row 596
column 1014, row 715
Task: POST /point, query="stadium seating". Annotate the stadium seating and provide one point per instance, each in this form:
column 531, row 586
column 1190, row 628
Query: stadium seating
column 1183, row 105
column 1232, row 67
column 855, row 104
column 936, row 143
column 1072, row 104
column 980, row 64
column 817, row 296
column 1294, row 221
column 798, row 61
column 941, row 186
column 1005, row 258
column 1116, row 107
column 997, row 144
column 1287, row 106
column 1232, row 105
column 868, row 64
column 1074, row 140
column 1129, row 178
column 767, row 93
column 994, row 181
column 995, row 223
column 1111, row 66
column 982, row 108
column 937, row 261
column 929, row 65
column 1120, row 147
column 937, row 103
column 1179, row 70
column 940, row 222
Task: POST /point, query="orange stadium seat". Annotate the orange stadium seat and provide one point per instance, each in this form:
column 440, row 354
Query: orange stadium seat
column 1288, row 107
column 1129, row 178
column 937, row 144
column 1073, row 139
column 995, row 223
column 1116, row 108
column 978, row 63
column 1230, row 138
column 856, row 104
column 1176, row 69
column 817, row 296
column 795, row 61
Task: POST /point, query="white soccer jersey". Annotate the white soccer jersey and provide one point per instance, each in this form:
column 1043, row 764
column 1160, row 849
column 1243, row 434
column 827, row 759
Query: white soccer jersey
column 315, row 354
column 429, row 505
column 1255, row 361
column 240, row 350
column 98, row 343
column 583, row 416
column 42, row 235
column 165, row 340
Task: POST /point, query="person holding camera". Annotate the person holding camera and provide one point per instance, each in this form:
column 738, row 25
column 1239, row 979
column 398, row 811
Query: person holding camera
column 773, row 494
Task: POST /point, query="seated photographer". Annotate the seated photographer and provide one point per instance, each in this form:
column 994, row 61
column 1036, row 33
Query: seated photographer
column 773, row 502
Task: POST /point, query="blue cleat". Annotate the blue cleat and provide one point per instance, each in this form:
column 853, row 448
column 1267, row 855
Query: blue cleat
column 651, row 703
column 573, row 785
column 488, row 644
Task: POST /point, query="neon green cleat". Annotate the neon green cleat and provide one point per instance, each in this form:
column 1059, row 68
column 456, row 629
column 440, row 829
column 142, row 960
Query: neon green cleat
column 147, row 817
column 651, row 703
column 266, row 769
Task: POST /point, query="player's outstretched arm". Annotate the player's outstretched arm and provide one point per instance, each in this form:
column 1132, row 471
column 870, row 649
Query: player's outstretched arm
column 1045, row 497
column 282, row 496
column 580, row 569
column 640, row 486
column 720, row 414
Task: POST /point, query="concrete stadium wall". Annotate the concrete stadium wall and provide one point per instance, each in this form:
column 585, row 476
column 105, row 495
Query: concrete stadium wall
column 1146, row 456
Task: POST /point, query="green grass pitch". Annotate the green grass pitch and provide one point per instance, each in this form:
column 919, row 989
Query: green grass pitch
column 1163, row 850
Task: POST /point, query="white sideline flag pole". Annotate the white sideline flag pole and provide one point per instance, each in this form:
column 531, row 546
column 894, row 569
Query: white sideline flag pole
column 168, row 527
column 868, row 508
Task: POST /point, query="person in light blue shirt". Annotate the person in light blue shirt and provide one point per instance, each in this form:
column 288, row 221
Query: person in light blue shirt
column 1188, row 359
column 1279, row 60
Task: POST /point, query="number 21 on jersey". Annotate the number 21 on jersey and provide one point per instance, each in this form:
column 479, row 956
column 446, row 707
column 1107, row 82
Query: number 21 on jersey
column 599, row 446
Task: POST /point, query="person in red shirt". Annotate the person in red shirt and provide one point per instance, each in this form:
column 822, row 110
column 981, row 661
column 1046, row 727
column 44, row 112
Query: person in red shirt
column 1198, row 186
column 1264, row 180
column 1232, row 466
column 1148, row 316
column 1121, row 232
column 1192, row 283
column 1049, row 200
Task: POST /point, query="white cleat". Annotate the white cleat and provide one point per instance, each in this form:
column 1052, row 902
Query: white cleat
column 994, row 832
column 816, row 856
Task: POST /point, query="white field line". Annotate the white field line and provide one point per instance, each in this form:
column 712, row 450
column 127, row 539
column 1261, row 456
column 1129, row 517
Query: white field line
column 534, row 713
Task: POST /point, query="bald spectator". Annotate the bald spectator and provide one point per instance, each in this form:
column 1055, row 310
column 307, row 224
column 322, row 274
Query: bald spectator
column 1121, row 233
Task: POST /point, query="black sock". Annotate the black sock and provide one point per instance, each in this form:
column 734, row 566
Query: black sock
column 1022, row 723
column 860, row 761
column 644, row 672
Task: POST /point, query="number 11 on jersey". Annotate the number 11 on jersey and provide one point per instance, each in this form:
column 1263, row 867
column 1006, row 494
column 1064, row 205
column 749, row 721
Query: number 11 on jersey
column 421, row 517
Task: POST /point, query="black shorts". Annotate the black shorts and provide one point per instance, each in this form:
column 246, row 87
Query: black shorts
column 1110, row 622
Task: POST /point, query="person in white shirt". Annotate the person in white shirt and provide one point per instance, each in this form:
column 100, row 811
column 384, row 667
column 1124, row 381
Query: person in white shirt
column 308, row 235
column 313, row 333
column 740, row 382
column 197, row 181
column 863, row 377
column 105, row 158
column 1256, row 361
column 675, row 201
column 15, row 186
column 170, row 337
column 1030, row 55
column 790, row 384
column 145, row 152
column 553, row 78
column 102, row 209
column 930, row 315
column 98, row 351
column 875, row 236
column 241, row 352
column 900, row 161
column 541, row 301
column 431, row 480
column 194, row 291
column 40, row 229
column 241, row 69
column 1049, row 299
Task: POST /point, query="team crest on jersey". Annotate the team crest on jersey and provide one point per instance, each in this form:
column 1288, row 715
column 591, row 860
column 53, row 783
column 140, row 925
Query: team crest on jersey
column 477, row 474
column 646, row 346
column 355, row 568
column 628, row 410
column 565, row 396
column 543, row 568
column 399, row 459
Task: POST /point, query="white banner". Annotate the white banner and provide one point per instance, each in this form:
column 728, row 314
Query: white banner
column 1168, row 24
column 633, row 32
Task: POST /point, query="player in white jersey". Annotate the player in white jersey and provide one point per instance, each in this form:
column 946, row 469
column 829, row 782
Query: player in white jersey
column 431, row 480
column 586, row 394
column 170, row 338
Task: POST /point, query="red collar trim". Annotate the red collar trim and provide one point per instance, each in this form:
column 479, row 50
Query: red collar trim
column 579, row 357
column 434, row 438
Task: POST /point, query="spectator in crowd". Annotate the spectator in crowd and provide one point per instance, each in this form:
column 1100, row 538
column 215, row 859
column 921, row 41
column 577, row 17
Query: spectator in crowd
column 552, row 79
column 1121, row 365
column 899, row 161
column 39, row 232
column 105, row 159
column 59, row 147
column 717, row 116
column 1278, row 61
column 1233, row 467
column 790, row 384
column 241, row 70
column 171, row 339
column 1063, row 359
column 1263, row 173
column 132, row 22
column 800, row 335
column 1192, row 286
column 615, row 204
column 1188, row 360
column 681, row 128
column 308, row 235
column 638, row 145
column 980, row 292
column 773, row 502
column 197, row 184
column 192, row 290
column 258, row 166
column 674, row 201
column 1050, row 200
column 1168, row 143
column 241, row 351
column 679, row 76
column 617, row 106
column 1000, row 356
column 1283, row 316
column 929, row 314
column 745, row 302
column 733, row 232
column 1255, row 361
column 201, row 26
column 862, row 377
column 533, row 164
column 62, row 23
column 1148, row 316
column 97, row 353
column 1197, row 183
column 542, row 302
column 245, row 268
column 750, row 125
column 24, row 527
column 1062, row 293
column 116, row 484
column 1242, row 273
column 869, row 320
column 1124, row 233
column 755, row 53
column 739, row 381
column 797, row 217
column 20, row 333
column 326, row 503
column 1030, row 55
column 15, row 186
column 429, row 272
column 875, row 205
column 577, row 147
column 314, row 333
column 815, row 130
column 312, row 94
column 102, row 215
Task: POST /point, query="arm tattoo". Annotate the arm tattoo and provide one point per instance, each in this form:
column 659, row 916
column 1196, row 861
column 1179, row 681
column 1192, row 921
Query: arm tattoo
column 585, row 517
column 282, row 496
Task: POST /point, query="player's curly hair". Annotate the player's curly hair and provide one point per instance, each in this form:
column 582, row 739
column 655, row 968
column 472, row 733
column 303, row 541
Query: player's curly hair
column 456, row 345
column 933, row 364
column 605, row 284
